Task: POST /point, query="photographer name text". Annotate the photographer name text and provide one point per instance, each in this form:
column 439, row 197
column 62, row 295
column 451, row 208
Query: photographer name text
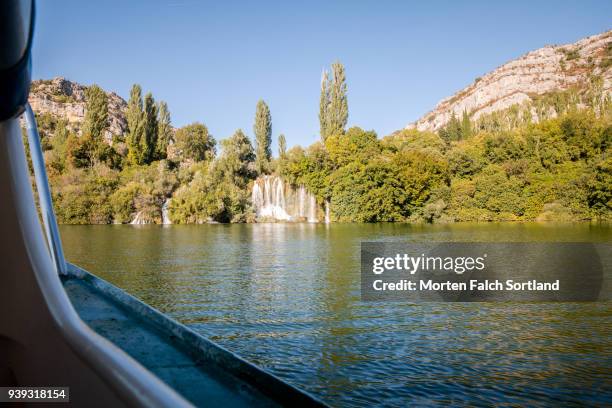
column 473, row 284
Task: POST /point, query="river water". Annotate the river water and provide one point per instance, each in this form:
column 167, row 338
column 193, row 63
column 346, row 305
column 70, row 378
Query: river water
column 286, row 297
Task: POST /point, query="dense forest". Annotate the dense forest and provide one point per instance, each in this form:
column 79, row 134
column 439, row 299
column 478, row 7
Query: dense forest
column 542, row 160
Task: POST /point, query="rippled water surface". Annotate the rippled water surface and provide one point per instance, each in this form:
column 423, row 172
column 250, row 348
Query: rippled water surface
column 286, row 296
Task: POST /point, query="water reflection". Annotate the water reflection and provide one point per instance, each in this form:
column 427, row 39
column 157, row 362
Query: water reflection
column 286, row 296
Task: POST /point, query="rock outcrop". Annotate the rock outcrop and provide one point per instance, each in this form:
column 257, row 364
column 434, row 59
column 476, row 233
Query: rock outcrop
column 547, row 69
column 66, row 99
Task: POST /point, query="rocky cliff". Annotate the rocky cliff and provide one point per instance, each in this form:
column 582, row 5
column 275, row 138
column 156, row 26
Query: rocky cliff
column 65, row 99
column 547, row 69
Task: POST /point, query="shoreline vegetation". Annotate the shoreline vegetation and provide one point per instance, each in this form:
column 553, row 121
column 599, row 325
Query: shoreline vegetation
column 544, row 160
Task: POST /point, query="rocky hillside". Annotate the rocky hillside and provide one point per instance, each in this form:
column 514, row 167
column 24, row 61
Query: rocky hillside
column 63, row 98
column 552, row 68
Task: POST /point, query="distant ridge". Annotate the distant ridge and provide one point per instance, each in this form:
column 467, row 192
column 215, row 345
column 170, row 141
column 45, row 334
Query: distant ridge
column 551, row 68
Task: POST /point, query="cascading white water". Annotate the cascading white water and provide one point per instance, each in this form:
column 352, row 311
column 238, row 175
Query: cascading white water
column 275, row 200
column 312, row 209
column 268, row 198
column 139, row 219
column 327, row 220
column 164, row 211
column 301, row 198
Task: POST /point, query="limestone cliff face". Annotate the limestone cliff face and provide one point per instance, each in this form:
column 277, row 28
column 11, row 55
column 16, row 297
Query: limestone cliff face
column 66, row 99
column 544, row 70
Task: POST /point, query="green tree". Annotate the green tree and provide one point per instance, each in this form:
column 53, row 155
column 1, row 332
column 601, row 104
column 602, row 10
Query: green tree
column 149, row 141
column 237, row 160
column 324, row 106
column 452, row 131
column 135, row 122
column 57, row 161
column 282, row 146
column 599, row 189
column 195, row 143
column 164, row 130
column 333, row 104
column 76, row 153
column 356, row 145
column 466, row 126
column 96, row 116
column 263, row 137
column 96, row 122
column 338, row 103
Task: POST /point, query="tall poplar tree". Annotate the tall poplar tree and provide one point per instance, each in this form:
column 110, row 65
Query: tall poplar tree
column 282, row 146
column 333, row 103
column 164, row 130
column 324, row 106
column 135, row 122
column 338, row 102
column 96, row 117
column 263, row 137
column 96, row 121
column 149, row 141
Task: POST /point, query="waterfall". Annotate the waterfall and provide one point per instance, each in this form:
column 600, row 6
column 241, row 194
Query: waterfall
column 275, row 200
column 327, row 220
column 257, row 197
column 301, row 198
column 268, row 199
column 312, row 210
column 164, row 211
column 139, row 219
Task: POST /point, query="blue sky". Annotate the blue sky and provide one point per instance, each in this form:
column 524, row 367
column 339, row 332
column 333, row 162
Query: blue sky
column 212, row 61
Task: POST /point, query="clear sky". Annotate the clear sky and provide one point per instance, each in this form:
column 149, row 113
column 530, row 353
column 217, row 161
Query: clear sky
column 212, row 60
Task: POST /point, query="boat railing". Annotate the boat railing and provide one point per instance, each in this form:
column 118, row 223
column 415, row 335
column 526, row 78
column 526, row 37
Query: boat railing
column 129, row 380
column 44, row 193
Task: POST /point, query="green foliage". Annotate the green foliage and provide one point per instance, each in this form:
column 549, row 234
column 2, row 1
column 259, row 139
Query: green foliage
column 236, row 163
column 465, row 160
column 333, row 105
column 218, row 190
column 599, row 189
column 354, row 145
column 368, row 193
column 134, row 115
column 501, row 147
column 82, row 196
column 324, row 106
column 412, row 139
column 91, row 147
column 466, row 126
column 453, row 130
column 570, row 54
column 457, row 130
column 96, row 116
column 544, row 160
column 584, row 137
column 263, row 137
column 149, row 141
column 282, row 146
column 164, row 131
column 310, row 168
column 76, row 152
column 385, row 188
column 210, row 197
column 143, row 190
column 195, row 143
